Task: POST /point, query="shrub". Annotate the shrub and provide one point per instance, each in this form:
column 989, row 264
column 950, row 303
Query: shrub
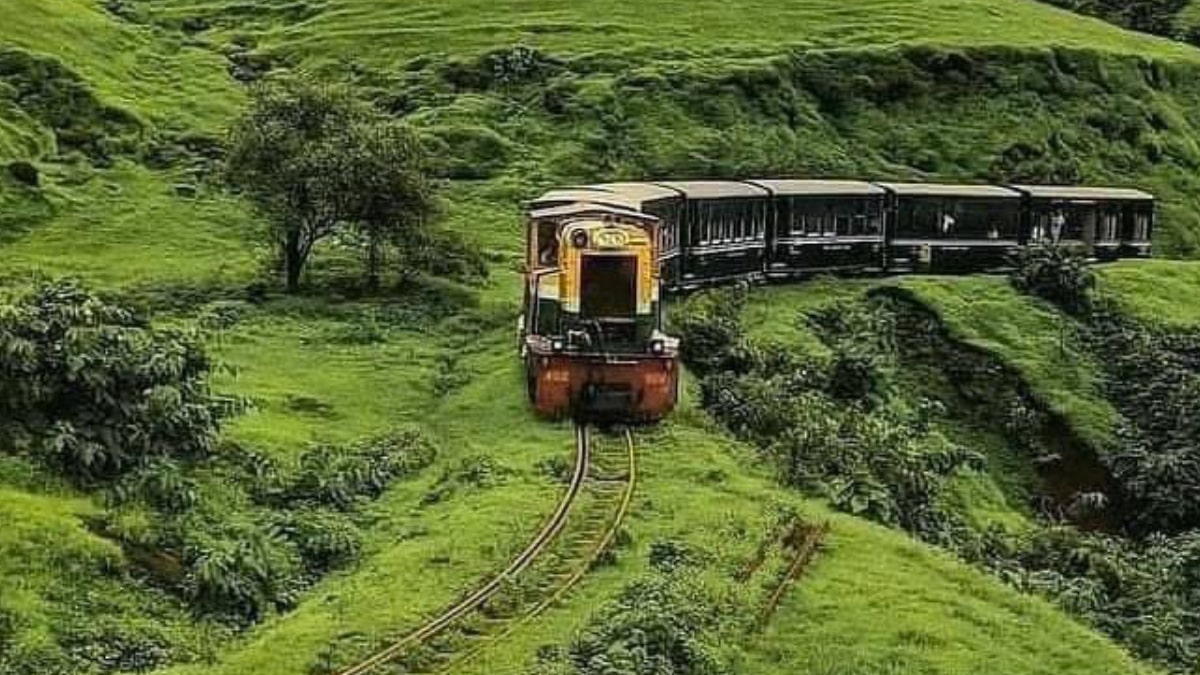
column 1153, row 381
column 242, row 578
column 97, row 392
column 342, row 476
column 325, row 539
column 660, row 626
column 710, row 323
column 445, row 253
column 1059, row 274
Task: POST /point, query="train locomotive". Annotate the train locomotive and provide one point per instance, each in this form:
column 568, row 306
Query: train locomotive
column 601, row 257
column 591, row 334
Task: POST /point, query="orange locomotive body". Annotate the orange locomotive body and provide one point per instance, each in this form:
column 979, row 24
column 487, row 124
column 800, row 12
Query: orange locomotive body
column 591, row 334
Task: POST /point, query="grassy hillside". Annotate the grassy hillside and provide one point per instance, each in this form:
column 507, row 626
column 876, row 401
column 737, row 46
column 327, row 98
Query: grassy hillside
column 380, row 33
column 985, row 89
column 1156, row 291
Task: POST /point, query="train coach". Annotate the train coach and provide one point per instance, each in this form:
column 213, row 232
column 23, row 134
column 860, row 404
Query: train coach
column 601, row 256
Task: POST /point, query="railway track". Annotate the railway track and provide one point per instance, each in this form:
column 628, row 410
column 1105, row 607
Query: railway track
column 597, row 499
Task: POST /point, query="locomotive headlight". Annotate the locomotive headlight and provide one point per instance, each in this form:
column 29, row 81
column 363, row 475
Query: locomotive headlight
column 579, row 239
column 657, row 347
column 557, row 344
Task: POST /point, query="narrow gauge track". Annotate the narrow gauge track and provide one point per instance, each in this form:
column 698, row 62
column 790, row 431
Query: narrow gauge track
column 584, row 473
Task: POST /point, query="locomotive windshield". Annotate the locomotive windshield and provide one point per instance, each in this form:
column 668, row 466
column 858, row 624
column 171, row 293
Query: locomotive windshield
column 608, row 287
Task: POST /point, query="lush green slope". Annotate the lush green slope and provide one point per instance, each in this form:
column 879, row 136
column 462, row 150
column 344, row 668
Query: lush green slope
column 1032, row 337
column 378, row 32
column 173, row 85
column 1156, row 291
column 621, row 89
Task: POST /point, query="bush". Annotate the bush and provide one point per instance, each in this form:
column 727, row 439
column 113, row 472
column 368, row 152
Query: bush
column 1059, row 274
column 341, row 476
column 95, row 391
column 710, row 323
column 444, row 253
column 242, row 578
column 660, row 626
column 1153, row 381
column 325, row 539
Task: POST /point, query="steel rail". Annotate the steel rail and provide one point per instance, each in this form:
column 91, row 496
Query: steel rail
column 481, row 595
column 609, row 535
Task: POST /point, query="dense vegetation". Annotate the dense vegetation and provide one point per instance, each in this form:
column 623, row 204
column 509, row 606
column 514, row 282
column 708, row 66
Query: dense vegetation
column 114, row 121
column 1169, row 18
column 874, row 421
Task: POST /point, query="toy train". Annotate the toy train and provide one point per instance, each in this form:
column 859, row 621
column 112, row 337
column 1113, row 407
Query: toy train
column 599, row 258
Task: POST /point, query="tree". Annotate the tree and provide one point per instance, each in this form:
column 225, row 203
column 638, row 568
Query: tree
column 316, row 162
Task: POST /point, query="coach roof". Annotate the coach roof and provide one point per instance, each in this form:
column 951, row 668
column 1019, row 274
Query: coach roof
column 816, row 188
column 637, row 192
column 589, row 209
column 1083, row 193
column 587, row 194
column 715, row 189
column 947, row 190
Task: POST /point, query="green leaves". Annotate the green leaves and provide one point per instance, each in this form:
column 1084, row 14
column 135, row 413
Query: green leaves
column 319, row 162
column 1056, row 273
column 94, row 391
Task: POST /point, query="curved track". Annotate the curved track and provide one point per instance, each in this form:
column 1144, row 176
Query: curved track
column 540, row 543
column 575, row 574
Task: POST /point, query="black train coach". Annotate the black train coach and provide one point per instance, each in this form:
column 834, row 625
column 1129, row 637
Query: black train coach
column 823, row 226
column 724, row 230
column 951, row 228
column 1107, row 223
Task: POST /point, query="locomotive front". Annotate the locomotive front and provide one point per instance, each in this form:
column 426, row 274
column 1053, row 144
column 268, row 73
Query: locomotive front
column 591, row 335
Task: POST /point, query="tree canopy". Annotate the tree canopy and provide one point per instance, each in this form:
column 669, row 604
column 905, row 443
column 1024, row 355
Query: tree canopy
column 316, row 161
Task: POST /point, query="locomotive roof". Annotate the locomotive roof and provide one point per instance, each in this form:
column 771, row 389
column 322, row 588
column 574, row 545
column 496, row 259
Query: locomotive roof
column 587, row 208
column 639, row 192
column 585, row 194
column 947, row 190
column 797, row 188
column 715, row 189
column 1083, row 193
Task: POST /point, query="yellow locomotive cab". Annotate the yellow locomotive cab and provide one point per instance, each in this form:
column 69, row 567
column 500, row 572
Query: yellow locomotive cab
column 591, row 333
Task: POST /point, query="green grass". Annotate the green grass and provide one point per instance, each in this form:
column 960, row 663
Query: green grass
column 126, row 229
column 720, row 100
column 150, row 73
column 356, row 390
column 1162, row 292
column 878, row 603
column 62, row 582
column 776, row 313
column 1029, row 336
column 384, row 33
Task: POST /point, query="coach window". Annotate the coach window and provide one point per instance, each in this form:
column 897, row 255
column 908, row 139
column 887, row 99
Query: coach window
column 841, row 221
column 1141, row 226
column 547, row 243
column 1109, row 224
column 874, row 219
column 926, row 217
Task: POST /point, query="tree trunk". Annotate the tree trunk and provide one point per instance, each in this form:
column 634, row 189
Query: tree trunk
column 374, row 261
column 293, row 260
